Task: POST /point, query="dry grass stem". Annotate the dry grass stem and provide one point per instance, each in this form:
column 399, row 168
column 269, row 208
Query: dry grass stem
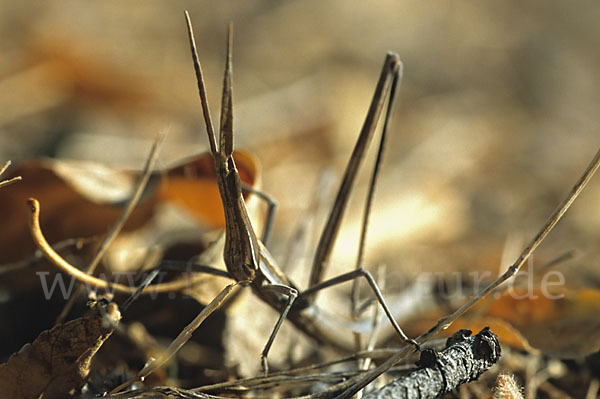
column 182, row 338
column 445, row 322
column 114, row 231
column 5, row 183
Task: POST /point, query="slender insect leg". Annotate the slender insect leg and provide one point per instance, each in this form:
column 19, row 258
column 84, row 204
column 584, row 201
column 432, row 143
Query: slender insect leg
column 291, row 293
column 370, row 194
column 391, row 71
column 271, row 211
column 361, row 272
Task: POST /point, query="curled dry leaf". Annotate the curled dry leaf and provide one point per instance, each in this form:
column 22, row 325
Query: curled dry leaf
column 58, row 362
column 84, row 200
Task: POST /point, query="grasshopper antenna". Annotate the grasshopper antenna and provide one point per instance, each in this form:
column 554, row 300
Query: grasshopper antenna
column 201, row 88
column 226, row 131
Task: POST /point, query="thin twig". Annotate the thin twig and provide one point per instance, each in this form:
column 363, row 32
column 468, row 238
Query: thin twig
column 445, row 322
column 286, row 380
column 4, row 167
column 253, row 382
column 114, row 231
column 183, row 336
column 164, row 392
column 5, row 183
column 247, row 384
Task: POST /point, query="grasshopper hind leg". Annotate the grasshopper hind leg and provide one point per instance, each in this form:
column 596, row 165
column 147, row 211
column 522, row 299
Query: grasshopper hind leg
column 353, row 275
column 387, row 88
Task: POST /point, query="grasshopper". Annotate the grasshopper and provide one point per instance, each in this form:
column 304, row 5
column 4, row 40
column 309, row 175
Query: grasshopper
column 247, row 259
column 249, row 262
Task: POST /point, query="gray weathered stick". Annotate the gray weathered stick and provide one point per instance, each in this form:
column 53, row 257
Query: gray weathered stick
column 464, row 360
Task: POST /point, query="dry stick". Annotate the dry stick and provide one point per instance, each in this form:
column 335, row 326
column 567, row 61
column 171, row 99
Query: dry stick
column 286, row 380
column 170, row 392
column 183, row 336
column 112, row 234
column 445, row 322
column 253, row 382
column 4, row 167
column 5, row 183
column 164, row 392
column 463, row 360
column 247, row 384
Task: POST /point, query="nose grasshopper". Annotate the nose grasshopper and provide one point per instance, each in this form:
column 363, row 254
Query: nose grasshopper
column 247, row 260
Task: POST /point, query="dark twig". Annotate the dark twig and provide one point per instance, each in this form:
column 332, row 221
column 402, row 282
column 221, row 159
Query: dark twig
column 464, row 360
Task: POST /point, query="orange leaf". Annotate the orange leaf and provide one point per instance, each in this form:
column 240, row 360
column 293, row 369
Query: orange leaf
column 70, row 212
column 192, row 185
column 84, row 200
column 567, row 326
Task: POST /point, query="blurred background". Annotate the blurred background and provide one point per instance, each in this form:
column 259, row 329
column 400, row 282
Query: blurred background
column 496, row 119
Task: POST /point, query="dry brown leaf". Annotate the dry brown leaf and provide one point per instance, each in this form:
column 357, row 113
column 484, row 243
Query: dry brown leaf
column 69, row 212
column 84, row 200
column 58, row 362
